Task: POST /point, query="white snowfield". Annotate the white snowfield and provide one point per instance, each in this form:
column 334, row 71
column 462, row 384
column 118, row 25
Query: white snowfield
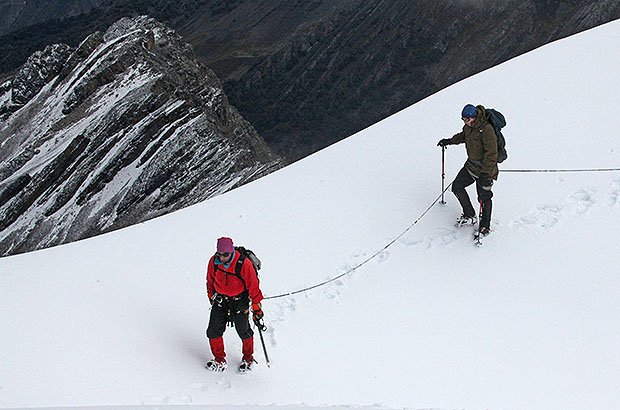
column 216, row 407
column 528, row 321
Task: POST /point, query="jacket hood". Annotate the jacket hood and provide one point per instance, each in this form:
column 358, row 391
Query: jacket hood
column 481, row 117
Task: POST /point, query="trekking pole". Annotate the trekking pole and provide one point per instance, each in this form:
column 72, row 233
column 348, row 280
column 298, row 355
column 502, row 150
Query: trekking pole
column 261, row 326
column 443, row 173
column 477, row 235
column 480, row 219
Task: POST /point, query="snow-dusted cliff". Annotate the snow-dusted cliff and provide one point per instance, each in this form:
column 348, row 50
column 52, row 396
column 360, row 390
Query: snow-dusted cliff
column 126, row 127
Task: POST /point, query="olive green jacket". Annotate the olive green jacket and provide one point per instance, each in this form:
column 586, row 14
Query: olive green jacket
column 481, row 145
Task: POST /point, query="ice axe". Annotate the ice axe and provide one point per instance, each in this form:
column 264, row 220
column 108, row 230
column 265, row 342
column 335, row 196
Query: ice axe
column 443, row 173
column 260, row 325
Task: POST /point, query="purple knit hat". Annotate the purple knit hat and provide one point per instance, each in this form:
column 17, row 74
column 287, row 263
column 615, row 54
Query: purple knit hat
column 225, row 245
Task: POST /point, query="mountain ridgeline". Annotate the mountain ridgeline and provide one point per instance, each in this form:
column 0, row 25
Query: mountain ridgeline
column 341, row 66
column 309, row 73
column 124, row 127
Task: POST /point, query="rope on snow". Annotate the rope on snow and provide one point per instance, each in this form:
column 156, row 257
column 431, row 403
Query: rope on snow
column 359, row 265
column 562, row 170
column 374, row 255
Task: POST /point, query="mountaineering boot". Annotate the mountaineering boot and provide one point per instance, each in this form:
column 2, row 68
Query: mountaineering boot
column 246, row 366
column 479, row 234
column 216, row 365
column 465, row 220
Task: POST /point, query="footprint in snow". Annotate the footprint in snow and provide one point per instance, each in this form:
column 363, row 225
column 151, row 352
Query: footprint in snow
column 613, row 198
column 282, row 308
column 447, row 235
column 545, row 216
column 424, row 243
column 583, row 200
column 333, row 290
column 443, row 236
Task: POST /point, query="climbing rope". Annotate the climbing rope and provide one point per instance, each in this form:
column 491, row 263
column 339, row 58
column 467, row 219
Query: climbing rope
column 562, row 170
column 377, row 253
column 371, row 257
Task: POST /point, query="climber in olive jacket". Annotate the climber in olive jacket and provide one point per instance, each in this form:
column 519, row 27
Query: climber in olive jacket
column 481, row 165
column 481, row 145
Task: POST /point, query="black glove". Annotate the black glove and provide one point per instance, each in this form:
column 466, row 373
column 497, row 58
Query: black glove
column 485, row 181
column 443, row 142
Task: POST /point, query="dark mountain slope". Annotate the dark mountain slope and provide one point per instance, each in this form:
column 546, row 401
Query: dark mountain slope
column 308, row 73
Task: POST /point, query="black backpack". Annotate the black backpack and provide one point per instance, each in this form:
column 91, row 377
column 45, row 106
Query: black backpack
column 243, row 255
column 497, row 121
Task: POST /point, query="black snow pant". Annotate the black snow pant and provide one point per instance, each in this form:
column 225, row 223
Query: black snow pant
column 463, row 180
column 239, row 308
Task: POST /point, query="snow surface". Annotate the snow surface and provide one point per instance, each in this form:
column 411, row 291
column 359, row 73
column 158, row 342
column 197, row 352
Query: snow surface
column 528, row 321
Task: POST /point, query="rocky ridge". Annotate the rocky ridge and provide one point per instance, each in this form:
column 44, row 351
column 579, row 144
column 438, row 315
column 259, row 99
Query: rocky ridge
column 125, row 127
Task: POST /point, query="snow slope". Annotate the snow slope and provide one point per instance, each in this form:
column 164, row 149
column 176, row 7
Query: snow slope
column 528, row 321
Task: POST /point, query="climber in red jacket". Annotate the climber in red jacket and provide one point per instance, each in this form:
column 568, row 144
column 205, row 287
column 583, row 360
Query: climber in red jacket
column 232, row 283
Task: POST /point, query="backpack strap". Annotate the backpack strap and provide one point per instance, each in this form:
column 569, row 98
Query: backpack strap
column 238, row 267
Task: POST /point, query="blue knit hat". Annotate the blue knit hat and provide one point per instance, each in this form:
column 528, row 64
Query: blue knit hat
column 469, row 111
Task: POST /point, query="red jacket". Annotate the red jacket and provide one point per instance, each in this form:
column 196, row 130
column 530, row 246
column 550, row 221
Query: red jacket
column 224, row 281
